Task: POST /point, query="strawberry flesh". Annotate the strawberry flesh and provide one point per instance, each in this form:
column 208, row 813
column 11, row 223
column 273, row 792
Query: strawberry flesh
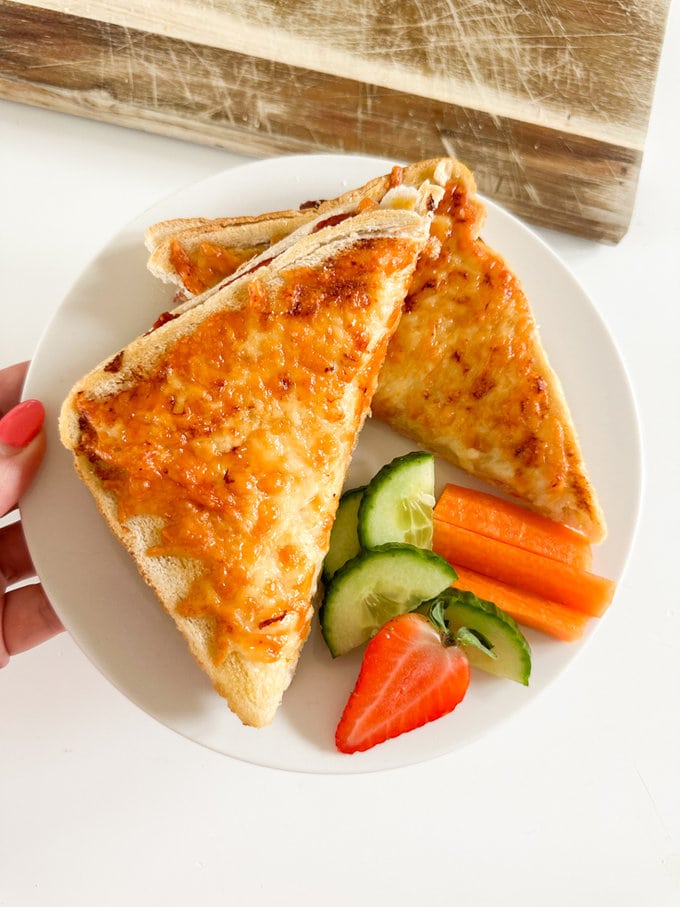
column 408, row 677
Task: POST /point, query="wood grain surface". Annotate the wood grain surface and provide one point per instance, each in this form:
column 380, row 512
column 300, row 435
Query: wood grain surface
column 548, row 103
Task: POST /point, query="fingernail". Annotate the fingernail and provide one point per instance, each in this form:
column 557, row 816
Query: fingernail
column 21, row 424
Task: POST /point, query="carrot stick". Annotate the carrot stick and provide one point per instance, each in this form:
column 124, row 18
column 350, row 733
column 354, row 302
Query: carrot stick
column 527, row 608
column 499, row 519
column 542, row 575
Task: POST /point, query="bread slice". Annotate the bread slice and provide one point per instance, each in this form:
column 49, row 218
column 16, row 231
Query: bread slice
column 466, row 375
column 196, row 254
column 212, row 250
column 216, row 445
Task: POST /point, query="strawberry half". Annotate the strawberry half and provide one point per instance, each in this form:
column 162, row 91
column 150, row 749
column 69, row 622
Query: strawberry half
column 411, row 673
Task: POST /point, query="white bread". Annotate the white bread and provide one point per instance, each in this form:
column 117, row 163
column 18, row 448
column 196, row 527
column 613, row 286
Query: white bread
column 270, row 440
column 244, row 232
column 416, row 188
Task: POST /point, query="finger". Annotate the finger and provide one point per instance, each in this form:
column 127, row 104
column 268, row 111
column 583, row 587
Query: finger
column 11, row 383
column 27, row 619
column 17, row 471
column 15, row 559
column 22, row 445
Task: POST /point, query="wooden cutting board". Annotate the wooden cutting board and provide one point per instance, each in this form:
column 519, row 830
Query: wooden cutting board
column 547, row 102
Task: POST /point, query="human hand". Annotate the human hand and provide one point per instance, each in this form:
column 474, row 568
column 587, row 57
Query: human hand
column 26, row 616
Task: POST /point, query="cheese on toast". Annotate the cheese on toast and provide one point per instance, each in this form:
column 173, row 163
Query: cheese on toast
column 216, row 445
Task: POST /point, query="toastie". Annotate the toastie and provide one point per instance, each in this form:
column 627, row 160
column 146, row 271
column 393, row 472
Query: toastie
column 216, row 445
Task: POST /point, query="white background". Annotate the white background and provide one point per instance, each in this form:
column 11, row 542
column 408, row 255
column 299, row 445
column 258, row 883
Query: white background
column 575, row 801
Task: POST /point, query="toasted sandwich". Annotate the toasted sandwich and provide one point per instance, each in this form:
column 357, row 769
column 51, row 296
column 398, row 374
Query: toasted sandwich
column 216, row 445
column 466, row 375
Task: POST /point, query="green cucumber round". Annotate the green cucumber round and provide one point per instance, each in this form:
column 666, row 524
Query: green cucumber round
column 397, row 503
column 375, row 586
column 510, row 653
column 344, row 543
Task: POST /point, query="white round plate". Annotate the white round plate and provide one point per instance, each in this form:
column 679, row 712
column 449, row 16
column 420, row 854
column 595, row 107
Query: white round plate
column 116, row 619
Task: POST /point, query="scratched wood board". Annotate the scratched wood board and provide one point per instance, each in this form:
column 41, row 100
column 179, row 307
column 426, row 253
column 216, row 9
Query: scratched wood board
column 547, row 102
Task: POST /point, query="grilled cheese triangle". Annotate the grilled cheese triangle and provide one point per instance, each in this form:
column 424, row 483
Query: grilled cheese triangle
column 466, row 375
column 216, row 445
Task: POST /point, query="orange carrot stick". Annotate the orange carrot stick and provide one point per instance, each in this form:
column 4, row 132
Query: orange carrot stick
column 499, row 519
column 527, row 608
column 542, row 575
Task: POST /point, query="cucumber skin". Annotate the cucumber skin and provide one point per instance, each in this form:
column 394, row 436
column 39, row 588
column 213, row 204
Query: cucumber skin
column 373, row 490
column 488, row 619
column 355, row 563
column 345, row 500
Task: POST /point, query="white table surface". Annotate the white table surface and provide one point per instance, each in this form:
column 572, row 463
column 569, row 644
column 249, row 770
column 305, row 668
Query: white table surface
column 575, row 801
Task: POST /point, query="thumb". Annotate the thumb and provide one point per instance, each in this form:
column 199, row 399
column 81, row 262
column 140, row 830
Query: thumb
column 22, row 445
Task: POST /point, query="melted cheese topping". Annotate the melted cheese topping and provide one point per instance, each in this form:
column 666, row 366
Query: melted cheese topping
column 483, row 395
column 239, row 440
column 207, row 264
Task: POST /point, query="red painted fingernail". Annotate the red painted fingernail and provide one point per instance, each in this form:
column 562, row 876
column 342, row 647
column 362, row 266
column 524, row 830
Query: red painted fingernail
column 20, row 425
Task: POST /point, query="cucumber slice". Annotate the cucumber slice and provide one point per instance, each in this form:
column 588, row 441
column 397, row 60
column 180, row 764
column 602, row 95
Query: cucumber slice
column 344, row 539
column 510, row 653
column 376, row 586
column 398, row 502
